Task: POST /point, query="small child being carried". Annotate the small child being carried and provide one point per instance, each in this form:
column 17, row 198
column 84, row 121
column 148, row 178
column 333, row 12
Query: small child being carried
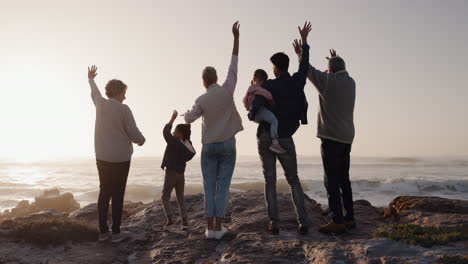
column 263, row 114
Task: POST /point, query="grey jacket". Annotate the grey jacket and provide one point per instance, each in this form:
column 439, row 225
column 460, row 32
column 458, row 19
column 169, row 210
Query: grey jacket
column 337, row 95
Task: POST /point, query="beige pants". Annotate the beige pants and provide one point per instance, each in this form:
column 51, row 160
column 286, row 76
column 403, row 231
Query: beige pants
column 173, row 180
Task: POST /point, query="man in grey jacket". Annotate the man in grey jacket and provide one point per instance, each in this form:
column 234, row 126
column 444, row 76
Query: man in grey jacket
column 337, row 94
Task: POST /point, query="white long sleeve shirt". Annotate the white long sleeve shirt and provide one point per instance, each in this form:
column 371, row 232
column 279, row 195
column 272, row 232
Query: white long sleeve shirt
column 221, row 120
column 115, row 128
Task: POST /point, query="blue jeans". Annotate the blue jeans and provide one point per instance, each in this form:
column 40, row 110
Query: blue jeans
column 217, row 162
column 265, row 115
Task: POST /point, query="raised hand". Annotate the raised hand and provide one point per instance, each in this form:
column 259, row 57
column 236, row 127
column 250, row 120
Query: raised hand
column 92, row 72
column 174, row 116
column 332, row 54
column 304, row 31
column 235, row 29
column 235, row 32
column 297, row 44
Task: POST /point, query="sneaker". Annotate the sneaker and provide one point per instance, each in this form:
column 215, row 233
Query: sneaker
column 117, row 238
column 210, row 234
column 219, row 234
column 277, row 148
column 104, row 236
column 332, row 228
column 303, row 230
column 350, row 224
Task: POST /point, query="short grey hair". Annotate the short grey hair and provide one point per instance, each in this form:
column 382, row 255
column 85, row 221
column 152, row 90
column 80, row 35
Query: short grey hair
column 336, row 64
column 209, row 75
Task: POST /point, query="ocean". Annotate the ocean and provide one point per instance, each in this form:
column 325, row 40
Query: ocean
column 377, row 180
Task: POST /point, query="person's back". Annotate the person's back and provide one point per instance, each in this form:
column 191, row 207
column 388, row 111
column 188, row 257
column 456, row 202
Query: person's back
column 288, row 105
column 112, row 141
column 336, row 116
column 115, row 130
column 337, row 96
column 290, row 108
column 288, row 93
column 221, row 120
column 335, row 128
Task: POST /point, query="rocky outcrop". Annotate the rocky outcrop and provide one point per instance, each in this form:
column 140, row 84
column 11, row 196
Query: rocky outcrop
column 428, row 211
column 248, row 242
column 50, row 199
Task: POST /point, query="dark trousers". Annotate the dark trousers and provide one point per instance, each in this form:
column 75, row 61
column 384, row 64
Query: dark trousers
column 112, row 182
column 336, row 159
column 289, row 163
column 174, row 180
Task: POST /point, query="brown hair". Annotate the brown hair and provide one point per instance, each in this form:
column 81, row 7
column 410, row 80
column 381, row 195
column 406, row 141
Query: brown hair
column 115, row 87
column 261, row 75
column 185, row 130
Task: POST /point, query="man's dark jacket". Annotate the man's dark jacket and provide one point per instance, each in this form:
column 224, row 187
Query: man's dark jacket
column 176, row 154
column 290, row 106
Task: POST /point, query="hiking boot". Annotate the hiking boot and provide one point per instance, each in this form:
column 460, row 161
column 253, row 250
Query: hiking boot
column 104, row 236
column 273, row 229
column 332, row 228
column 350, row 224
column 277, row 148
column 303, row 230
column 117, row 238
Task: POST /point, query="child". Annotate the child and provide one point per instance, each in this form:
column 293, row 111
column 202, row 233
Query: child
column 178, row 151
column 263, row 114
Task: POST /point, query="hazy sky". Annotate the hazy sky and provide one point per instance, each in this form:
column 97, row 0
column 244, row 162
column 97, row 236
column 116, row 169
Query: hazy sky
column 408, row 59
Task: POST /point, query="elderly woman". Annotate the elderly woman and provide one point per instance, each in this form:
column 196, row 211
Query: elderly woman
column 221, row 122
column 115, row 131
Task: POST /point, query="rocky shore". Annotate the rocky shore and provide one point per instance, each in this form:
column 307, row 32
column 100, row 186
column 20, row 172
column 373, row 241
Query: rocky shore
column 150, row 242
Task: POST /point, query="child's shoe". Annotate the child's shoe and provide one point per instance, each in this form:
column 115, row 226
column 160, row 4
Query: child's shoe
column 277, row 148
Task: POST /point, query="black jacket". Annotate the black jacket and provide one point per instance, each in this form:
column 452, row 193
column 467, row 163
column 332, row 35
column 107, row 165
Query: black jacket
column 176, row 154
column 291, row 105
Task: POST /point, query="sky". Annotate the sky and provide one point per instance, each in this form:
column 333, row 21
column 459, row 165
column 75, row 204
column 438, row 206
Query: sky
column 408, row 59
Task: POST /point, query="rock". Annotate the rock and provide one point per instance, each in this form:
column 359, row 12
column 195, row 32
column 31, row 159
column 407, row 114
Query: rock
column 89, row 213
column 50, row 199
column 247, row 242
column 428, row 211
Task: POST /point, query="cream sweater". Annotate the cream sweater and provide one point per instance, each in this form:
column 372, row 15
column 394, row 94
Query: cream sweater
column 220, row 118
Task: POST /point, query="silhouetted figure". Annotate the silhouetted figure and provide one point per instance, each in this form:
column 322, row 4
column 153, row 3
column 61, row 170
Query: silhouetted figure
column 337, row 94
column 290, row 109
column 115, row 131
column 179, row 151
column 221, row 122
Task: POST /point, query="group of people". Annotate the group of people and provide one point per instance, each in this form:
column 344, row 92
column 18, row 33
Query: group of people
column 278, row 105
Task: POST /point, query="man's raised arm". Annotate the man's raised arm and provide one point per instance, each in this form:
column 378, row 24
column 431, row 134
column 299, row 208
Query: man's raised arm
column 303, row 47
column 231, row 79
column 318, row 78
